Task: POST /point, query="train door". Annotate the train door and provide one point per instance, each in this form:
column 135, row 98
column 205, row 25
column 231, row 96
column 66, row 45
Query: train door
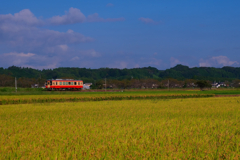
column 49, row 83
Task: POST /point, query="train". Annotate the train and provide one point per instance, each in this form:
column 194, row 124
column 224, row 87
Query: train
column 63, row 84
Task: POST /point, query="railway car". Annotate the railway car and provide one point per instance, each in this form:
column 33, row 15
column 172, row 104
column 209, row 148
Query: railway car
column 64, row 84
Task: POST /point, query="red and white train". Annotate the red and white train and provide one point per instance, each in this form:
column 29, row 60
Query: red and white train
column 64, row 84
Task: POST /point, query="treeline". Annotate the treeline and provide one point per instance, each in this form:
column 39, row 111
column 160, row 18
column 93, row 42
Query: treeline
column 28, row 76
column 9, row 81
column 153, row 83
column 144, row 83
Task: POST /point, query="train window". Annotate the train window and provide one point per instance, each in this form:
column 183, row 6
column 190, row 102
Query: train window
column 69, row 83
column 75, row 83
column 60, row 83
column 63, row 83
column 78, row 83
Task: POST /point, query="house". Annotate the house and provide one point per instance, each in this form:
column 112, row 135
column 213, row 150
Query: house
column 87, row 85
column 218, row 84
column 34, row 86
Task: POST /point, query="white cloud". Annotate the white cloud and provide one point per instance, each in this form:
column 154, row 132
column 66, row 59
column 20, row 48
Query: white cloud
column 151, row 62
column 23, row 17
column 148, row 21
column 119, row 64
column 21, row 29
column 90, row 53
column 16, row 58
column 29, row 60
column 59, row 49
column 136, row 66
column 70, row 31
column 110, row 5
column 74, row 15
column 95, row 18
column 26, row 36
column 19, row 54
column 30, row 44
column 64, row 47
column 75, row 58
column 174, row 62
column 217, row 61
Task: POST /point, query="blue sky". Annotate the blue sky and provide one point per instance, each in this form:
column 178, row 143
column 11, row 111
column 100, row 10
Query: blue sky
column 119, row 34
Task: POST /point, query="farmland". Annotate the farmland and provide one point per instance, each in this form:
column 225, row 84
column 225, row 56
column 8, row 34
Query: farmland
column 193, row 128
column 31, row 95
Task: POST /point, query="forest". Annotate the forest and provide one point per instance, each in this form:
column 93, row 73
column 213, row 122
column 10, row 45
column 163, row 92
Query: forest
column 179, row 76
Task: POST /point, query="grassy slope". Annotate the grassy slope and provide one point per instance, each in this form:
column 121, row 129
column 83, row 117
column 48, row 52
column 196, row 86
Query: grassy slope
column 180, row 128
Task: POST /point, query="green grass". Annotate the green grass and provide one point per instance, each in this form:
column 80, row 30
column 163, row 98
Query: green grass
column 10, row 91
column 135, row 129
column 4, row 100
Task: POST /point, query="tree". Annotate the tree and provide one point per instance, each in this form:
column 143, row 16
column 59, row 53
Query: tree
column 99, row 84
column 236, row 83
column 203, row 84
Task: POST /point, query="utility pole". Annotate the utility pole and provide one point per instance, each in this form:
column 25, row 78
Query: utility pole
column 168, row 84
column 105, row 84
column 39, row 80
column 15, row 84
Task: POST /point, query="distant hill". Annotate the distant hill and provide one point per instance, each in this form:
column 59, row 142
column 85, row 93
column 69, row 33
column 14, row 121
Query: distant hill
column 179, row 72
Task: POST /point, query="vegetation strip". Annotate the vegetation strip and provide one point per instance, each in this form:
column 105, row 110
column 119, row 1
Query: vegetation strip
column 103, row 98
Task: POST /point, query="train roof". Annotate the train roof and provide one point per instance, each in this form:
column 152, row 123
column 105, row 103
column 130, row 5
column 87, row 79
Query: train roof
column 63, row 80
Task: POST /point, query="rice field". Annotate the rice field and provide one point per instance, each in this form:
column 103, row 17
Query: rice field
column 196, row 128
column 66, row 94
column 69, row 98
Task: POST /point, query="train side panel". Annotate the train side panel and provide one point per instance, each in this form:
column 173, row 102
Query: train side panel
column 64, row 84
